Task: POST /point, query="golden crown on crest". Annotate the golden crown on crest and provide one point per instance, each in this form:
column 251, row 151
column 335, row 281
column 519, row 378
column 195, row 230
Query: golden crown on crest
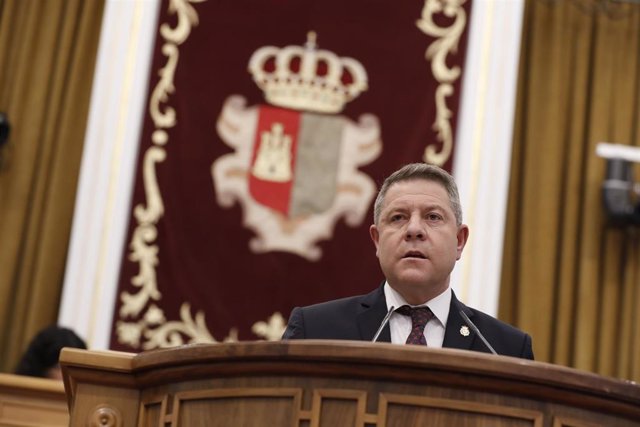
column 305, row 78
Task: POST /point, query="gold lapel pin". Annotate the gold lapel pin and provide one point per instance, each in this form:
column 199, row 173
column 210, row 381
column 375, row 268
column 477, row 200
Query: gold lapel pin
column 464, row 331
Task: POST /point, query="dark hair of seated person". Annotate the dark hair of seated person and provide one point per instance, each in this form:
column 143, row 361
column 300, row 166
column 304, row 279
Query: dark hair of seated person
column 41, row 357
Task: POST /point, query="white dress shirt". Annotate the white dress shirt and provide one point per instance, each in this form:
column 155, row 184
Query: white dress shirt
column 400, row 325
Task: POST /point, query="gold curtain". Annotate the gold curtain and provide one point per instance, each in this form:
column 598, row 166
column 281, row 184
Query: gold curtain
column 47, row 57
column 569, row 278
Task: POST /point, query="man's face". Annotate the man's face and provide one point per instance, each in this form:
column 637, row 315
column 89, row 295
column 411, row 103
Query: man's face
column 417, row 239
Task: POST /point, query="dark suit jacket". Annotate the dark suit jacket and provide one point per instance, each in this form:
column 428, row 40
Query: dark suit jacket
column 359, row 317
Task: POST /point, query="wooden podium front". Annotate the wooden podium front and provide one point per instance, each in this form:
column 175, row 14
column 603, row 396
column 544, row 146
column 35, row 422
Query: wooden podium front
column 336, row 383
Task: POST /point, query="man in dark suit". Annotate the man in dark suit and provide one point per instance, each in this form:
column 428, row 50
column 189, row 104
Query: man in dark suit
column 419, row 235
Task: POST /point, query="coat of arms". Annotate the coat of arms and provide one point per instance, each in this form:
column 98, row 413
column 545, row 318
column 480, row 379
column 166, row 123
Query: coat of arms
column 295, row 166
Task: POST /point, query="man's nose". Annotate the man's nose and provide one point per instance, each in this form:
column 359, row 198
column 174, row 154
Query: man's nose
column 415, row 228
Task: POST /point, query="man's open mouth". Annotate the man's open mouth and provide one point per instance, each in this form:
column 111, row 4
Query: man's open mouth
column 414, row 254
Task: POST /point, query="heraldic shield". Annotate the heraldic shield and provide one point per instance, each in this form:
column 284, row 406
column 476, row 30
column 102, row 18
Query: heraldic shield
column 295, row 169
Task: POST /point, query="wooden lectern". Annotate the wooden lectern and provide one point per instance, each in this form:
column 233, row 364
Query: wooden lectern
column 336, row 383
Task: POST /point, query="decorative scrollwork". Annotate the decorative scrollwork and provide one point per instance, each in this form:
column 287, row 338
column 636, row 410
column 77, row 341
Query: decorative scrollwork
column 143, row 251
column 165, row 87
column 187, row 18
column 447, row 39
column 169, row 334
column 153, row 326
column 153, row 330
column 272, row 329
column 160, row 334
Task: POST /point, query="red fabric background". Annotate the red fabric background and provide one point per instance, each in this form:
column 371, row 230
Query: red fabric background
column 204, row 258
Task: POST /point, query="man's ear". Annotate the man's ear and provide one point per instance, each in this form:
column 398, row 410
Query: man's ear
column 462, row 237
column 373, row 232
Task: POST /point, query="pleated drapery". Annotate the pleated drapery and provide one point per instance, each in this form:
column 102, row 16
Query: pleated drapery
column 47, row 57
column 570, row 278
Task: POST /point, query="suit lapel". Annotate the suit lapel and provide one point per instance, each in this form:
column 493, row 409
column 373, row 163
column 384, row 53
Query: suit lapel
column 453, row 334
column 373, row 308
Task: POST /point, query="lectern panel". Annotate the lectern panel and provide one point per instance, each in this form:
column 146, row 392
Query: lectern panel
column 572, row 422
column 237, row 408
column 151, row 414
column 332, row 407
column 402, row 410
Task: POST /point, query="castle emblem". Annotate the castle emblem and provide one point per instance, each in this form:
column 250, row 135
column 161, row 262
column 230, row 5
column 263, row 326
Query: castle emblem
column 295, row 165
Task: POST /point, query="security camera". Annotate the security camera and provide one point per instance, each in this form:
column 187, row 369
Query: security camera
column 620, row 194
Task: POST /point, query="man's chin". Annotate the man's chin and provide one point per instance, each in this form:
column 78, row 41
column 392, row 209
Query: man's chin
column 410, row 279
column 415, row 287
column 414, row 275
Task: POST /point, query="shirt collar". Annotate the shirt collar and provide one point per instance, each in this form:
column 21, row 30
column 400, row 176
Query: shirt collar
column 439, row 305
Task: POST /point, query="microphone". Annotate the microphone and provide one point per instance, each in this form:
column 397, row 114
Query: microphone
column 477, row 331
column 383, row 324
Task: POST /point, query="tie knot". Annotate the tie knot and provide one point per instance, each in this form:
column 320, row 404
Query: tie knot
column 419, row 315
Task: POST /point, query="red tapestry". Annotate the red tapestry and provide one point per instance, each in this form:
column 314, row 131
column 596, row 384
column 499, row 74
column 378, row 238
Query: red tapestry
column 270, row 126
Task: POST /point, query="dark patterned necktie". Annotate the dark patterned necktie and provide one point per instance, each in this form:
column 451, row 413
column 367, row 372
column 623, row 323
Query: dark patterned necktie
column 419, row 318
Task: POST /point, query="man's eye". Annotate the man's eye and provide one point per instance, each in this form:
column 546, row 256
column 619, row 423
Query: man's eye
column 396, row 217
column 434, row 217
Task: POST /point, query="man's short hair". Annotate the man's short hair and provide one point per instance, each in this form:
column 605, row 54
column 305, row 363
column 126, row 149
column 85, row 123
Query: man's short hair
column 417, row 171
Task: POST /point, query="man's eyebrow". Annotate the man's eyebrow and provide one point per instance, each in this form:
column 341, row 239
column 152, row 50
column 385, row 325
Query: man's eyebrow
column 403, row 207
column 434, row 206
column 394, row 209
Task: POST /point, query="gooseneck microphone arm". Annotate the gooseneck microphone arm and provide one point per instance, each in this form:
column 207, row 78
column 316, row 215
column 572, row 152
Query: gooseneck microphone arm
column 477, row 331
column 383, row 324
